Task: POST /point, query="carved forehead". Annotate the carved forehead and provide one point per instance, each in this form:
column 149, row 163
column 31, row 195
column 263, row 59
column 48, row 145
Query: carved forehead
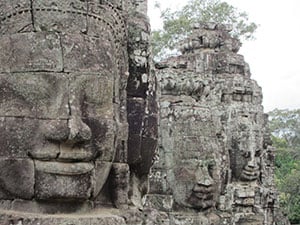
column 197, row 147
column 56, row 52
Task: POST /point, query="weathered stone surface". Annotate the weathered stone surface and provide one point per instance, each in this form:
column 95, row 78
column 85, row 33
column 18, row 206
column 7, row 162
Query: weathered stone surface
column 83, row 53
column 16, row 178
column 17, row 137
column 55, row 15
column 44, row 54
column 68, row 180
column 84, row 142
column 120, row 184
column 214, row 158
column 15, row 16
column 13, row 218
column 41, row 95
column 63, row 103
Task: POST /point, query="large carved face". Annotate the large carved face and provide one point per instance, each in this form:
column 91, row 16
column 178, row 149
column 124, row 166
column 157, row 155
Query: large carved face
column 57, row 115
column 246, row 152
column 196, row 175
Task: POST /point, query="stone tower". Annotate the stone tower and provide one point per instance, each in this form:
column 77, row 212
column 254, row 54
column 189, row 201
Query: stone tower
column 215, row 162
column 91, row 133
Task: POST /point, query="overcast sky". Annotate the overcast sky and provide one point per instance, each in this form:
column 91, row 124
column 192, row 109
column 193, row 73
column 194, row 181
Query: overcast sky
column 274, row 56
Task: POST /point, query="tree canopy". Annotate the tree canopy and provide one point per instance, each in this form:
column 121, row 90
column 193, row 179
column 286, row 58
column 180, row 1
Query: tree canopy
column 285, row 127
column 178, row 24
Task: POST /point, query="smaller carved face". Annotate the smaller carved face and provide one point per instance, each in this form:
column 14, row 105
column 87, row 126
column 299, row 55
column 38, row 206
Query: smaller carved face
column 245, row 155
column 195, row 185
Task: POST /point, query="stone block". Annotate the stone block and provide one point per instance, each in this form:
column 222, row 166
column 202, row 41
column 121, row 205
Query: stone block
column 16, row 178
column 102, row 19
column 135, row 115
column 61, row 16
column 41, row 95
column 102, row 142
column 230, row 63
column 82, row 53
column 92, row 94
column 5, row 53
column 120, row 184
column 101, row 173
column 160, row 202
column 14, row 218
column 150, row 127
column 251, row 220
column 17, row 136
column 68, row 181
column 134, row 149
column 188, row 219
column 42, row 54
column 15, row 16
column 158, row 181
column 148, row 148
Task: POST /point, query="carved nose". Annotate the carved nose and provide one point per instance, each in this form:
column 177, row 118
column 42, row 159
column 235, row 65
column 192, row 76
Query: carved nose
column 203, row 177
column 78, row 130
column 56, row 130
column 71, row 131
column 252, row 163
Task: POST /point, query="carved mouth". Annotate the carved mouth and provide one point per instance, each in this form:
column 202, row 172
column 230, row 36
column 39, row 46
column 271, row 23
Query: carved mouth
column 64, row 168
column 63, row 153
column 203, row 193
column 249, row 175
column 202, row 200
column 203, row 196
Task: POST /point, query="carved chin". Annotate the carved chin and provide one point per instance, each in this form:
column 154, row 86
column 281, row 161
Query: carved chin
column 69, row 181
column 201, row 200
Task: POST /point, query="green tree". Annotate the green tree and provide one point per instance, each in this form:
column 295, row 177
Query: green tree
column 178, row 24
column 285, row 127
column 285, row 124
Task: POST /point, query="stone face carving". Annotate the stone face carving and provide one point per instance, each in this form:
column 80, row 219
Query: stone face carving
column 246, row 151
column 68, row 129
column 68, row 71
column 215, row 156
column 79, row 135
column 64, row 131
column 194, row 169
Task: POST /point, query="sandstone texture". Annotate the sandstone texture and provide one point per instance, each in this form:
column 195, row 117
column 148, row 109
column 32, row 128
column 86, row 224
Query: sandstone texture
column 91, row 132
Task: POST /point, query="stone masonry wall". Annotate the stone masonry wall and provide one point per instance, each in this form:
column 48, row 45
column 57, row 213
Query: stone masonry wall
column 91, row 133
column 215, row 162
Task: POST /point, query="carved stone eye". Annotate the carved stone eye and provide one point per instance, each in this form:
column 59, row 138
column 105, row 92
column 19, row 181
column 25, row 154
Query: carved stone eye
column 210, row 169
column 247, row 154
column 257, row 153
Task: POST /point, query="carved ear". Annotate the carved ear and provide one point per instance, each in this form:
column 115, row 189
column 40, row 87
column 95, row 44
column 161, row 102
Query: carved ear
column 119, row 181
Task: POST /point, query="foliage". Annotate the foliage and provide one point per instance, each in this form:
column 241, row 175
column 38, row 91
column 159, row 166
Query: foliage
column 178, row 24
column 286, row 124
column 285, row 127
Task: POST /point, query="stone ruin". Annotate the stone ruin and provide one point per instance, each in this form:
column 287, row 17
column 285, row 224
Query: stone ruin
column 91, row 133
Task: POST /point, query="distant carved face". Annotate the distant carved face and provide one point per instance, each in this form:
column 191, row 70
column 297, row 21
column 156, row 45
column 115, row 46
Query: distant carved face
column 57, row 116
column 245, row 154
column 195, row 183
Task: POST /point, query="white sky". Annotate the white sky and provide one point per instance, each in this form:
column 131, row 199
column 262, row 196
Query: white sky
column 274, row 55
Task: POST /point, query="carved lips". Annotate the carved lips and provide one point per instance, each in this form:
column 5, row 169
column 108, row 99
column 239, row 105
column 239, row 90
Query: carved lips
column 63, row 168
column 203, row 196
column 250, row 173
